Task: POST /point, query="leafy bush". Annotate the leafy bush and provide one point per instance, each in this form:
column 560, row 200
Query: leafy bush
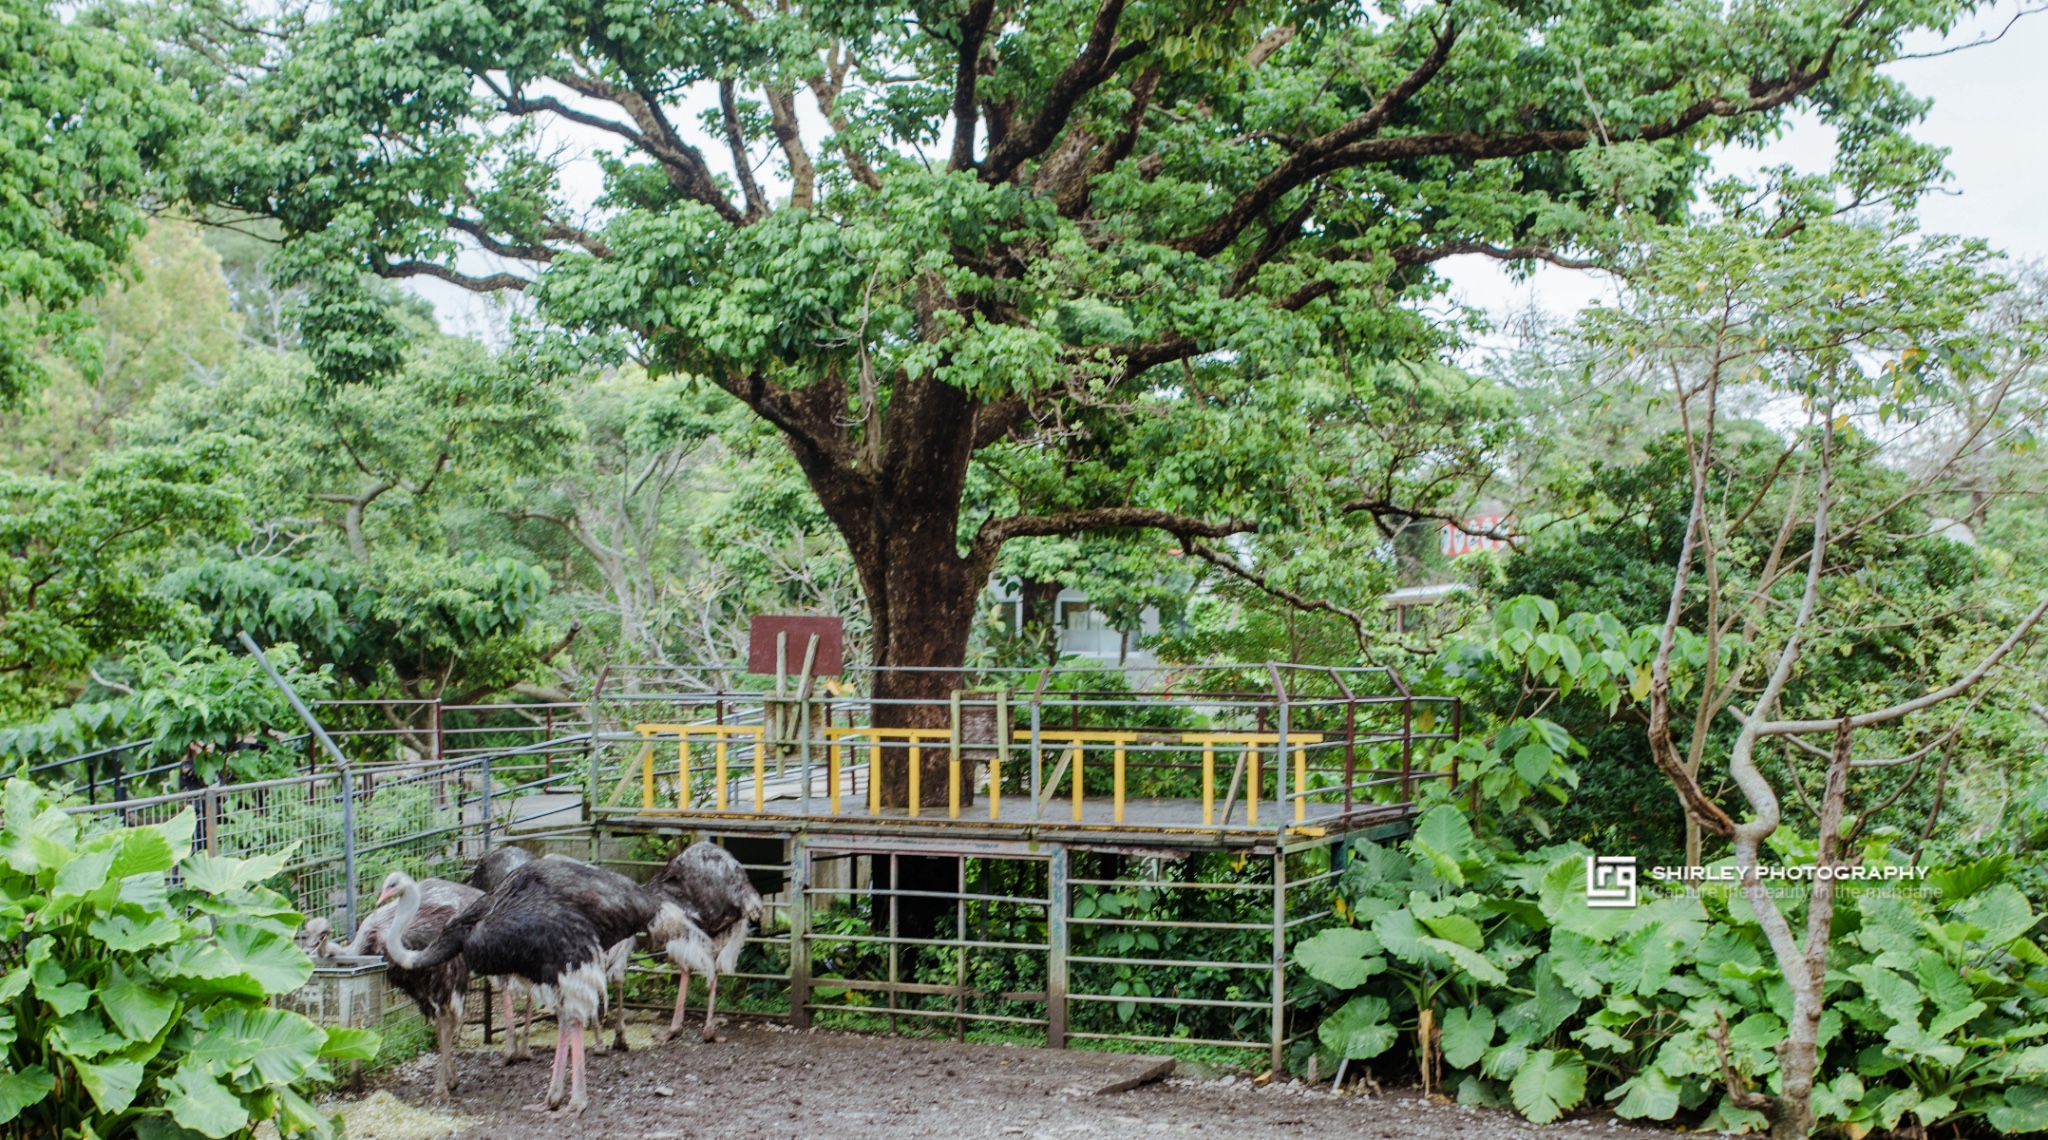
column 1938, row 998
column 136, row 977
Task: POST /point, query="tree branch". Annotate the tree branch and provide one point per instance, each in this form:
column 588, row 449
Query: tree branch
column 973, row 32
column 1096, row 63
column 491, row 283
column 994, row 532
column 728, row 106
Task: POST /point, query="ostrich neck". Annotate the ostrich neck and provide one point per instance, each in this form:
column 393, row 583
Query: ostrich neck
column 394, row 942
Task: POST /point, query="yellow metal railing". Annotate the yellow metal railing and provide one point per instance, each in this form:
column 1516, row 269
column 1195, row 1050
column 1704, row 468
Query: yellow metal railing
column 721, row 736
column 875, row 739
column 1249, row 742
column 1074, row 743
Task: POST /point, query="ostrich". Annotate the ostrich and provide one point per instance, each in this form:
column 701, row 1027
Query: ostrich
column 418, row 911
column 551, row 923
column 708, row 905
column 493, row 869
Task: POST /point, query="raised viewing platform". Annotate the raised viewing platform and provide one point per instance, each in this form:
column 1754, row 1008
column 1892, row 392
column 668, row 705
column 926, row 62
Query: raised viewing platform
column 1208, row 758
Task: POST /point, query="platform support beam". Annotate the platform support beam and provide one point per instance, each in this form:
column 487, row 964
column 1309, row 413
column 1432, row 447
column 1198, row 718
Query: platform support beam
column 1057, row 908
column 799, row 931
column 1279, row 961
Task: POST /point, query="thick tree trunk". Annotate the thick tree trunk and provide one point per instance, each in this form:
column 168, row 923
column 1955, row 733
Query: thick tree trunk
column 896, row 500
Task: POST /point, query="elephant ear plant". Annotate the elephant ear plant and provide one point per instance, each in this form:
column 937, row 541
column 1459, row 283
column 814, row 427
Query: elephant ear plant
column 135, row 976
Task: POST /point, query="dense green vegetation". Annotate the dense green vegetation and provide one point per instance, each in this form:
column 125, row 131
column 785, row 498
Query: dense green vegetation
column 1136, row 298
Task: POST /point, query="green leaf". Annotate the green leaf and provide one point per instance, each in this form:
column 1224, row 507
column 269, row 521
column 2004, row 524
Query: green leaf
column 1649, row 1094
column 1897, row 997
column 351, row 1044
column 122, row 932
column 138, row 1011
column 215, row 875
column 22, row 1088
column 1457, row 928
column 1341, row 956
column 278, row 1044
column 1466, row 1035
column 1959, row 883
column 2002, row 911
column 1549, row 1082
column 202, row 1104
column 1532, row 763
column 83, row 875
column 1471, row 961
column 1402, row 937
column 271, row 958
column 2024, row 1109
column 1579, row 962
column 143, row 850
column 111, row 1084
column 1358, row 1030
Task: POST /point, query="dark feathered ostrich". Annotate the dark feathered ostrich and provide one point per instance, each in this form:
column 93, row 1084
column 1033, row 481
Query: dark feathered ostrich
column 551, row 923
column 410, row 915
column 493, row 869
column 708, row 905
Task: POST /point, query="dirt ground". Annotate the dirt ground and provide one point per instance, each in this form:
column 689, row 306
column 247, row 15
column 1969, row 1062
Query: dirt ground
column 768, row 1081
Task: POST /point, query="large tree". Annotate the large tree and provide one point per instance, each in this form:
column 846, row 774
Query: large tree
column 1144, row 263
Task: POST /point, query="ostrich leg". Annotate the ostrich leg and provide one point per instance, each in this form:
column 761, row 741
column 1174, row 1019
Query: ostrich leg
column 578, row 1099
column 446, row 1024
column 515, row 1042
column 682, row 1006
column 711, row 1008
column 562, row 1035
column 619, row 1020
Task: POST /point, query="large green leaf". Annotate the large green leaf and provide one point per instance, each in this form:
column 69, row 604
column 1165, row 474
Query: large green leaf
column 1443, row 840
column 2024, row 1109
column 1549, row 1082
column 268, row 956
column 1403, row 937
column 22, row 1088
column 1649, row 1093
column 143, row 850
column 1469, row 960
column 124, row 932
column 83, row 875
column 2002, row 911
column 111, row 1084
column 217, row 875
column 1358, row 1030
column 277, row 1044
column 85, row 1034
column 1457, row 928
column 1962, row 882
column 202, row 1104
column 135, row 1008
column 1466, row 1035
column 1579, row 962
column 1898, row 998
column 351, row 1044
column 1341, row 956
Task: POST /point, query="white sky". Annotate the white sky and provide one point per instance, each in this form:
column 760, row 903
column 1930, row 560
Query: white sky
column 1990, row 109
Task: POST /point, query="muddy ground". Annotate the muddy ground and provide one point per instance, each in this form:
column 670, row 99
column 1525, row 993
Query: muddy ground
column 767, row 1081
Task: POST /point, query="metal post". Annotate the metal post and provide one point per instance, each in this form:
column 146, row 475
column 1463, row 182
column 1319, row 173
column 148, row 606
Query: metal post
column 1037, row 755
column 803, row 696
column 799, row 931
column 348, row 799
column 486, row 802
column 1279, row 960
column 1056, row 946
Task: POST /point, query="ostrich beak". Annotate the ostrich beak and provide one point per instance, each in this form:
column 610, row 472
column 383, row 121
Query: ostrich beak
column 382, row 895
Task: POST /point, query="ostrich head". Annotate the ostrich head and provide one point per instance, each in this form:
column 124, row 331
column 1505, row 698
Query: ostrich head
column 394, row 884
column 312, row 937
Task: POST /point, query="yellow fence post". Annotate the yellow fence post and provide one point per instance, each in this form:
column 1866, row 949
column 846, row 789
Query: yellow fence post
column 683, row 773
column 647, row 777
column 1300, row 785
column 1251, row 784
column 1119, row 793
column 995, row 758
column 874, row 778
column 832, row 773
column 760, row 773
column 1078, row 752
column 916, row 775
column 721, row 773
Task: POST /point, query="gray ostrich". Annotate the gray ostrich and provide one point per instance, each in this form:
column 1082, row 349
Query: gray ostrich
column 551, row 923
column 707, row 908
column 494, row 868
column 411, row 914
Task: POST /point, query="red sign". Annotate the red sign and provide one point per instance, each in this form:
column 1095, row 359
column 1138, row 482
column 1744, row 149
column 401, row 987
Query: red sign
column 830, row 661
column 1454, row 541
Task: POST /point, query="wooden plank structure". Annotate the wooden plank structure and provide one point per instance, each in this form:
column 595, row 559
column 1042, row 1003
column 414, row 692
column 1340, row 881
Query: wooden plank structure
column 1026, row 769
